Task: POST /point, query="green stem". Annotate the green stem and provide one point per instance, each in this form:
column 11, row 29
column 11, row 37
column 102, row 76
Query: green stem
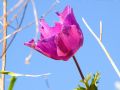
column 12, row 83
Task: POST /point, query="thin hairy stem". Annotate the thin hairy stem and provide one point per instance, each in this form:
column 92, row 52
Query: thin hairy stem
column 78, row 67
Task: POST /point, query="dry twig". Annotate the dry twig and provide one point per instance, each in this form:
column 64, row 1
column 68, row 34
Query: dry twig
column 4, row 42
column 103, row 48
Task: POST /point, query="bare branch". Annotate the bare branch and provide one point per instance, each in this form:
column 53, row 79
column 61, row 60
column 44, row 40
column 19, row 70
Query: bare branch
column 20, row 10
column 28, row 58
column 14, row 8
column 18, row 30
column 1, row 23
column 16, row 33
column 4, row 43
column 103, row 48
column 50, row 9
column 100, row 30
column 24, row 75
column 30, row 75
column 36, row 18
column 16, row 15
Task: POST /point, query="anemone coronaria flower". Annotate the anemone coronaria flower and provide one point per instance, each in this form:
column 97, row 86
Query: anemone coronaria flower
column 61, row 41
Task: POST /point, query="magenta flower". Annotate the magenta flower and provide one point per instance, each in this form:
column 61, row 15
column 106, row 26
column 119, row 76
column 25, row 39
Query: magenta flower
column 61, row 41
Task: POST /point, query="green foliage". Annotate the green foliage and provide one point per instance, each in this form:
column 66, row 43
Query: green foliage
column 86, row 81
column 12, row 83
column 80, row 88
column 12, row 80
column 7, row 73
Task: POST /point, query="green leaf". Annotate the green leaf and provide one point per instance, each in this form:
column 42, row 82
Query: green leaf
column 86, row 81
column 7, row 73
column 80, row 88
column 12, row 83
column 93, row 87
column 88, row 77
column 95, row 79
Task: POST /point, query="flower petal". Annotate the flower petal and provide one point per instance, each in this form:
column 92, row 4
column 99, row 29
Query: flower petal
column 65, row 12
column 30, row 43
column 46, row 31
column 69, row 41
column 46, row 47
column 67, row 16
column 61, row 41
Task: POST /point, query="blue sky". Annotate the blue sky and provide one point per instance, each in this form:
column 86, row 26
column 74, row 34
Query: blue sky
column 90, row 57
